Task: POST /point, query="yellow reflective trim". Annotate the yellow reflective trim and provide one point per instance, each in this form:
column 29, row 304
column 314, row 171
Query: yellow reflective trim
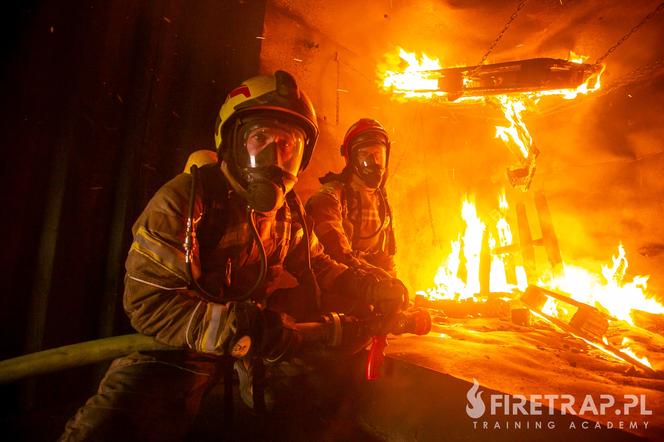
column 154, row 257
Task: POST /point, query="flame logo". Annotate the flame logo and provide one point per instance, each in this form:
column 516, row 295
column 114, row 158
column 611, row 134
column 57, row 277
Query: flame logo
column 475, row 407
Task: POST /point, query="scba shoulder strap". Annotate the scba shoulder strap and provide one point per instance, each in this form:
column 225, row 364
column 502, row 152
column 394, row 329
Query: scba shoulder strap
column 214, row 191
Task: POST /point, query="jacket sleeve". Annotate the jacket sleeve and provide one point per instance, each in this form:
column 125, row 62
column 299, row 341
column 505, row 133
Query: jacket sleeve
column 382, row 260
column 156, row 296
column 324, row 208
column 325, row 269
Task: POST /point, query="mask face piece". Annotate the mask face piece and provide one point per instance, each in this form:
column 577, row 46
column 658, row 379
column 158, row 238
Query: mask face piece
column 267, row 187
column 272, row 143
column 269, row 160
column 369, row 161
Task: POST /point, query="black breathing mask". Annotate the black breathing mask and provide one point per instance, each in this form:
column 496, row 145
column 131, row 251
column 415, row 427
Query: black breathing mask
column 267, row 187
column 369, row 162
column 268, row 158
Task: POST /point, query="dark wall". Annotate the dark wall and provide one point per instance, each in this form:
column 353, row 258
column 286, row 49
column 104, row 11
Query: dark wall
column 103, row 101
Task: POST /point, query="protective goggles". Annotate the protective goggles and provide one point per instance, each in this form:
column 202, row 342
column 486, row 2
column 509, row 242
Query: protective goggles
column 269, row 142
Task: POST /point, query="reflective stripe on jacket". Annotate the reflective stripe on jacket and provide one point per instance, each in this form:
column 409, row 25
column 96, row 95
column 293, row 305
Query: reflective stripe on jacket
column 355, row 228
column 158, row 299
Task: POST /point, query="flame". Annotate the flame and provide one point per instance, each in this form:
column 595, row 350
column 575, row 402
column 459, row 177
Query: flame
column 577, row 58
column 592, row 84
column 502, row 200
column 448, row 280
column 403, row 74
column 625, row 348
column 458, row 277
column 407, row 75
column 610, row 291
column 517, row 133
column 605, row 288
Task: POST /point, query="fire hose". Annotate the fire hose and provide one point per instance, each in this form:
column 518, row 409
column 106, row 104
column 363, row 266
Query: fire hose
column 335, row 331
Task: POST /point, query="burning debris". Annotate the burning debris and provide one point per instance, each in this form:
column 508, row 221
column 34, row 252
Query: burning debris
column 513, row 87
column 549, row 76
column 490, row 274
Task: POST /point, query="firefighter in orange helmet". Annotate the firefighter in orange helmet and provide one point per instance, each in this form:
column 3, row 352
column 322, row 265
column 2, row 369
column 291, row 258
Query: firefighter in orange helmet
column 352, row 217
column 207, row 252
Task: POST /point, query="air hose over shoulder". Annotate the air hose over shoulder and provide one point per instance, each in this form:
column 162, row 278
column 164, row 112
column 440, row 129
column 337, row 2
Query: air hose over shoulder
column 189, row 242
column 295, row 199
column 251, row 220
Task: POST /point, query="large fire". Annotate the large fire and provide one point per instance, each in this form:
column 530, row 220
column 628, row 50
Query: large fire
column 607, row 288
column 407, row 76
column 411, row 76
column 463, row 274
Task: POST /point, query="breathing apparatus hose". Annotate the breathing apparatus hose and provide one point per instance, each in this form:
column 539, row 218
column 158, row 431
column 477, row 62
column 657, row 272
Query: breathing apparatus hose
column 297, row 203
column 251, row 219
column 188, row 248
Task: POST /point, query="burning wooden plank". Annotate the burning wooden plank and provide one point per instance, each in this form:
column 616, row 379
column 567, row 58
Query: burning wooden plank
column 492, row 307
column 535, row 74
column 587, row 323
column 425, row 77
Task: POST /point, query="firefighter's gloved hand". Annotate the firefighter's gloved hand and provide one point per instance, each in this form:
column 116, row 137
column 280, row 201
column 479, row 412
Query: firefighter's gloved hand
column 388, row 296
column 280, row 339
column 365, row 292
column 254, row 332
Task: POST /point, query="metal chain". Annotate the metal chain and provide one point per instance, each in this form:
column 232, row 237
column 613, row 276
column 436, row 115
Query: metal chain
column 522, row 3
column 638, row 74
column 636, row 27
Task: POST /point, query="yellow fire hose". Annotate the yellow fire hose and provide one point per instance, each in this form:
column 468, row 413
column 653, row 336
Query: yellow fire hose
column 329, row 331
column 75, row 355
column 99, row 350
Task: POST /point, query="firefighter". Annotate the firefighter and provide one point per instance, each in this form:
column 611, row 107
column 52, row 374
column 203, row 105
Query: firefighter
column 207, row 254
column 352, row 217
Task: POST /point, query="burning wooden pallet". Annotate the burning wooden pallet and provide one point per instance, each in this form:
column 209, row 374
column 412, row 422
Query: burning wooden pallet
column 527, row 243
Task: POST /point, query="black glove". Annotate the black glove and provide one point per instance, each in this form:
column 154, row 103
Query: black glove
column 368, row 292
column 254, row 332
column 388, row 296
column 279, row 338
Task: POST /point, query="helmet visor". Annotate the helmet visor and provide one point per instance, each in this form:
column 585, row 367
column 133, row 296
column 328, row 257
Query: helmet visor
column 273, row 143
column 371, row 154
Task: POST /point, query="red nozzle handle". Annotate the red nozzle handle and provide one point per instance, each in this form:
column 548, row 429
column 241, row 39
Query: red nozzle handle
column 376, row 357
